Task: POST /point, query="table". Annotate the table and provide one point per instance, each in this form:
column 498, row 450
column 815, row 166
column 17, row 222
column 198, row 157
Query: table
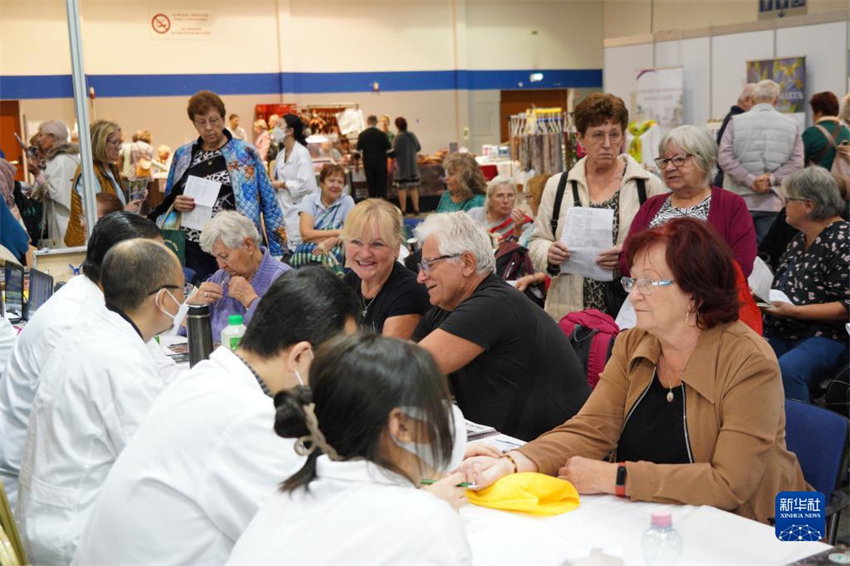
column 616, row 526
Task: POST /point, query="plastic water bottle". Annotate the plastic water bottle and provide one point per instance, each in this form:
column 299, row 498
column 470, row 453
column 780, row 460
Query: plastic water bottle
column 232, row 334
column 661, row 543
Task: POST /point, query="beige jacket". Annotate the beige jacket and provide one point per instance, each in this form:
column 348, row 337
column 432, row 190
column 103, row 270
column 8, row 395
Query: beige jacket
column 566, row 294
column 735, row 424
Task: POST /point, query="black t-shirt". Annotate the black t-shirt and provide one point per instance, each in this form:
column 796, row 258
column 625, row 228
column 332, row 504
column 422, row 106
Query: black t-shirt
column 400, row 295
column 655, row 429
column 528, row 379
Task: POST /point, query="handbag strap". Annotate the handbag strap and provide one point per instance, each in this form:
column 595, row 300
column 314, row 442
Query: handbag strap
column 832, row 141
column 559, row 197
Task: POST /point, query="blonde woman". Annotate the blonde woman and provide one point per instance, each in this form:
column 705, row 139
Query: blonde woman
column 106, row 145
column 392, row 301
column 263, row 140
column 465, row 183
column 499, row 215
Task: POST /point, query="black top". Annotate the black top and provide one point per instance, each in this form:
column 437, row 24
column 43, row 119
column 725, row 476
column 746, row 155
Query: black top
column 374, row 144
column 655, row 429
column 528, row 379
column 400, row 295
column 817, row 276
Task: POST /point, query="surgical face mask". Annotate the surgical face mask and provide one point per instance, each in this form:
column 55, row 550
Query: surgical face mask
column 279, row 133
column 177, row 319
column 423, row 450
column 298, row 374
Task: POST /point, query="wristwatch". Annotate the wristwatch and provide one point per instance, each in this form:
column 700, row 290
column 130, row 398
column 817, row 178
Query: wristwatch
column 620, row 486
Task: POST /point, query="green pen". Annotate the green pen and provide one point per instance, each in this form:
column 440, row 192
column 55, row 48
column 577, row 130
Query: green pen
column 462, row 484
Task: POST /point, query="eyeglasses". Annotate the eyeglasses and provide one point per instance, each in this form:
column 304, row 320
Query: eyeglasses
column 790, row 199
column 677, row 161
column 645, row 286
column 599, row 137
column 213, row 122
column 187, row 288
column 426, row 264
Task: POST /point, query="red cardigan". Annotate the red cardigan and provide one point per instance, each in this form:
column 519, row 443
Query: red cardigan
column 729, row 216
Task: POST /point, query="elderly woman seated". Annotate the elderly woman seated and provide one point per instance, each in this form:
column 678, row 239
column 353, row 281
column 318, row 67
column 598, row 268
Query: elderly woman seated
column 393, row 301
column 246, row 269
column 510, row 365
column 675, row 406
column 499, row 214
column 808, row 333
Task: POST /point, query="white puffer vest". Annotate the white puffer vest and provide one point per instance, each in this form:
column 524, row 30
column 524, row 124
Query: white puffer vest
column 764, row 140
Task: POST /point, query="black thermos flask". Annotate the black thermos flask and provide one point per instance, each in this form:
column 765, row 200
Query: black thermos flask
column 199, row 329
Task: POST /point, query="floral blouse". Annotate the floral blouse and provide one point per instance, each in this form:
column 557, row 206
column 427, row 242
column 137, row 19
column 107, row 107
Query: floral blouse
column 817, row 276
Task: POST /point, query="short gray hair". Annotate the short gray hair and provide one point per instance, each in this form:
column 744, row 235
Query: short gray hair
column 747, row 92
column 231, row 228
column 55, row 128
column 495, row 183
column 817, row 185
column 765, row 91
column 697, row 142
column 457, row 233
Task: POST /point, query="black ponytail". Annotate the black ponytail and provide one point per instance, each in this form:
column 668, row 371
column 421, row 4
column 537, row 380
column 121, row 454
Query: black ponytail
column 297, row 126
column 290, row 421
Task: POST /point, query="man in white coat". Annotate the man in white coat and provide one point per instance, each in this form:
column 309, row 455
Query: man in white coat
column 207, row 457
column 94, row 392
column 70, row 307
column 53, row 183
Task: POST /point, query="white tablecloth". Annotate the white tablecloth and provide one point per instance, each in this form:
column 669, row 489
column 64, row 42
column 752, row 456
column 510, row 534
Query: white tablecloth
column 616, row 526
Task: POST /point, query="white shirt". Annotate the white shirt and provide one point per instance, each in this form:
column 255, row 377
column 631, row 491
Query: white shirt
column 93, row 393
column 67, row 309
column 7, row 342
column 56, row 195
column 297, row 172
column 195, row 473
column 354, row 513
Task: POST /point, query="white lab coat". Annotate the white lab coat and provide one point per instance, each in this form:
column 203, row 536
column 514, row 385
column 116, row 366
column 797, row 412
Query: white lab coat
column 297, row 172
column 7, row 342
column 93, row 394
column 67, row 309
column 194, row 474
column 354, row 513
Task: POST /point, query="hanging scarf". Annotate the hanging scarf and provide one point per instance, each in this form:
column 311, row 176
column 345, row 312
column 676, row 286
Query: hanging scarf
column 638, row 130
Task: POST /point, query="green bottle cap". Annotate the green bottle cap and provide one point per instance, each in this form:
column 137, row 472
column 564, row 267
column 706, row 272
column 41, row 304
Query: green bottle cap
column 234, row 319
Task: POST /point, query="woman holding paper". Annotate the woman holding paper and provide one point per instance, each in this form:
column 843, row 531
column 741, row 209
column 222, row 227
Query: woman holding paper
column 808, row 333
column 229, row 168
column 689, row 406
column 603, row 179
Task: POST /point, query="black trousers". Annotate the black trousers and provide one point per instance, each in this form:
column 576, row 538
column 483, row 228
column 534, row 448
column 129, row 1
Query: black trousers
column 376, row 179
column 200, row 261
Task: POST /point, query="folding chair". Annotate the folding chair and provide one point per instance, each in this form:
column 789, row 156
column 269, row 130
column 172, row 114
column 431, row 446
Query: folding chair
column 11, row 549
column 819, row 438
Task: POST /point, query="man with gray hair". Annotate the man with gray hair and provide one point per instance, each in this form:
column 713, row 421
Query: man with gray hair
column 93, row 393
column 757, row 151
column 745, row 102
column 510, row 365
column 53, row 176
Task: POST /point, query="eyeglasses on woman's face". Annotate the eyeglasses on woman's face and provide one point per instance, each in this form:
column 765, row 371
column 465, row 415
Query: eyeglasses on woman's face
column 676, row 160
column 211, row 122
column 794, row 199
column 644, row 285
column 598, row 137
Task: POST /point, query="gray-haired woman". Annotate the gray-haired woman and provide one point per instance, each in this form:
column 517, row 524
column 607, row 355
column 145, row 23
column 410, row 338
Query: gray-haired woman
column 499, row 214
column 808, row 333
column 688, row 162
column 246, row 269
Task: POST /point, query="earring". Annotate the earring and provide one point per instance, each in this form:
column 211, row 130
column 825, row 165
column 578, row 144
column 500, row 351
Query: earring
column 687, row 316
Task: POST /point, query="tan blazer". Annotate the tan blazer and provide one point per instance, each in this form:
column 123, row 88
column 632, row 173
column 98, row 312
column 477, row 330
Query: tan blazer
column 735, row 417
column 566, row 293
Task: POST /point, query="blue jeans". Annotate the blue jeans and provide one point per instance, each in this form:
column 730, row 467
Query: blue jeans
column 762, row 222
column 806, row 362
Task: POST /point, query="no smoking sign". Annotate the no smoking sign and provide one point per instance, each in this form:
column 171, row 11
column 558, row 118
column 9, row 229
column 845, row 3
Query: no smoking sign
column 160, row 23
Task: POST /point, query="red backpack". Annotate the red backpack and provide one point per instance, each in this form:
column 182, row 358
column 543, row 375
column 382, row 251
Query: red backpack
column 592, row 334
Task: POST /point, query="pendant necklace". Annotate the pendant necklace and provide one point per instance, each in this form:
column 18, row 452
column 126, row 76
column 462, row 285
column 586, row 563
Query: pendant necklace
column 367, row 305
column 670, row 388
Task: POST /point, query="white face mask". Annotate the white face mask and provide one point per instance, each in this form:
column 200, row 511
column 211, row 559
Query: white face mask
column 423, row 450
column 279, row 134
column 298, row 374
column 177, row 319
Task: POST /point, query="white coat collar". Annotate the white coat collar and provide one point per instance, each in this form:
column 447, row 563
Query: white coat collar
column 357, row 471
column 232, row 365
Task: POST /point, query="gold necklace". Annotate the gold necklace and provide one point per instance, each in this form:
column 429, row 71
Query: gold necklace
column 670, row 387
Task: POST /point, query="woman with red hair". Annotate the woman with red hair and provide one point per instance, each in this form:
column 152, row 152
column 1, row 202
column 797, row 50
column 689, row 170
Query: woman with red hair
column 690, row 404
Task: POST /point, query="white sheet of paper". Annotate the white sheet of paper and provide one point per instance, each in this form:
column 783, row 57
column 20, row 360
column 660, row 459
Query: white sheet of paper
column 627, row 317
column 205, row 193
column 588, row 231
column 760, row 279
column 780, row 296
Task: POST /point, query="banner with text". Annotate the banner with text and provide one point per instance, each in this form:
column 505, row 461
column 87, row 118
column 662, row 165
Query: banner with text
column 658, row 96
column 790, row 75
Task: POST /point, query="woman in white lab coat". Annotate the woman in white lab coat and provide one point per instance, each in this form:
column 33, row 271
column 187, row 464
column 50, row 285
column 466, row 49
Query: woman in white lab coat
column 377, row 422
column 293, row 177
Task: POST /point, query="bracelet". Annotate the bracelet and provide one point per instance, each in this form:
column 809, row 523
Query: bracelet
column 511, row 458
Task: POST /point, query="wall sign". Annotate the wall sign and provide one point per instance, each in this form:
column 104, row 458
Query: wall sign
column 771, row 9
column 175, row 23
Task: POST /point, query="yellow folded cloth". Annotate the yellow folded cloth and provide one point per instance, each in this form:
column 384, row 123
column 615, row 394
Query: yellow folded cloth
column 528, row 492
